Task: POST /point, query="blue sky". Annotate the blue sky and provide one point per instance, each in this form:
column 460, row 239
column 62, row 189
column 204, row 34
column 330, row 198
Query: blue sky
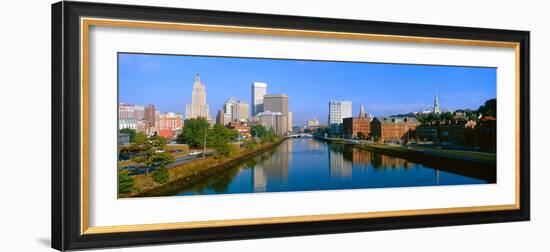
column 384, row 89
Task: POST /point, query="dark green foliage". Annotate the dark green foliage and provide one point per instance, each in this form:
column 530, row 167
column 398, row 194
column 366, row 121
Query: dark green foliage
column 258, row 131
column 489, row 108
column 125, row 182
column 161, row 175
column 131, row 133
column 151, row 150
column 193, row 132
column 250, row 144
column 265, row 135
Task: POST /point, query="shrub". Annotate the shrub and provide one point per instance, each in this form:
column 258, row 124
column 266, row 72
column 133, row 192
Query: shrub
column 250, row 144
column 125, row 182
column 161, row 175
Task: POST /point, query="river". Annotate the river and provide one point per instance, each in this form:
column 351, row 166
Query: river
column 304, row 164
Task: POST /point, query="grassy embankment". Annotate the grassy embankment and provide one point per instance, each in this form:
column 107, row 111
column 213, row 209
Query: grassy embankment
column 470, row 156
column 145, row 186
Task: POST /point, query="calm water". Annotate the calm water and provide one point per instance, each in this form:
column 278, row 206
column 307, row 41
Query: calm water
column 303, row 164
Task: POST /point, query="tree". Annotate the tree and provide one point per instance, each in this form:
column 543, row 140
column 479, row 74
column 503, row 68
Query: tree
column 250, row 144
column 151, row 150
column 193, row 132
column 219, row 138
column 131, row 133
column 489, row 108
column 446, row 116
column 162, row 160
column 258, row 131
column 361, row 136
column 271, row 135
column 125, row 182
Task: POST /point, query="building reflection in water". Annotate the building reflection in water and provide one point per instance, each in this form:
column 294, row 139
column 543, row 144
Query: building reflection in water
column 313, row 145
column 339, row 166
column 272, row 166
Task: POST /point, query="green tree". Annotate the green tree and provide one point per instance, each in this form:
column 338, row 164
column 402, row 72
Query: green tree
column 161, row 175
column 361, row 136
column 193, row 132
column 446, row 116
column 250, row 144
column 271, row 135
column 151, row 150
column 489, row 108
column 162, row 159
column 125, row 182
column 219, row 138
column 131, row 133
column 258, row 131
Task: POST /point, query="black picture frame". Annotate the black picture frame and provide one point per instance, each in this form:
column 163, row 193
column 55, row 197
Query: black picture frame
column 66, row 114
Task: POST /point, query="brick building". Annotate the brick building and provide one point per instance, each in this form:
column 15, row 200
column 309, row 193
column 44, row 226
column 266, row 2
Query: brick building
column 393, row 128
column 168, row 122
column 242, row 128
column 357, row 127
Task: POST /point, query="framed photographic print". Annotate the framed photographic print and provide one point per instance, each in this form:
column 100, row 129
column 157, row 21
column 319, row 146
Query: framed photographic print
column 179, row 125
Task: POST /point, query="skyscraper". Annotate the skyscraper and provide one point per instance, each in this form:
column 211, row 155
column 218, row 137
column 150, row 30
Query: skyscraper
column 259, row 89
column 240, row 111
column 228, row 108
column 436, row 104
column 276, row 103
column 220, row 117
column 198, row 106
column 338, row 110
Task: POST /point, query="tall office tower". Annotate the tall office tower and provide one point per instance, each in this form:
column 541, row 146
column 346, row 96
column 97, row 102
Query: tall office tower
column 240, row 111
column 259, row 89
column 289, row 119
column 278, row 103
column 228, row 108
column 198, row 106
column 338, row 110
column 220, row 118
column 150, row 113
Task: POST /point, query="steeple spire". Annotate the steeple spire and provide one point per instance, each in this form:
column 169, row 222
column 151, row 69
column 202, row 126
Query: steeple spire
column 436, row 104
column 362, row 112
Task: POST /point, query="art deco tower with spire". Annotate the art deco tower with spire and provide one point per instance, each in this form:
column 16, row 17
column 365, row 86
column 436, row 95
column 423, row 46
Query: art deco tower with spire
column 198, row 106
column 436, row 104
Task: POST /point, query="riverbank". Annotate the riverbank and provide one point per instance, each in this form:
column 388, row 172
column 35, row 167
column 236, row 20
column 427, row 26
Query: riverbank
column 187, row 174
column 479, row 164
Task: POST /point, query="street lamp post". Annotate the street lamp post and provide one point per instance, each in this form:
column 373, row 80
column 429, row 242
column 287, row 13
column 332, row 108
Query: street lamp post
column 204, row 146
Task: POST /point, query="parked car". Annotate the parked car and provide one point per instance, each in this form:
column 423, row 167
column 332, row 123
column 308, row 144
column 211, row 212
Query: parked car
column 129, row 168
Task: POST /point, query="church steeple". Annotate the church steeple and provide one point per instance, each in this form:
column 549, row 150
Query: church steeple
column 362, row 112
column 436, row 104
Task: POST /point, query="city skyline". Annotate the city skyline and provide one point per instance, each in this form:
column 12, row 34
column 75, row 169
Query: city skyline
column 167, row 81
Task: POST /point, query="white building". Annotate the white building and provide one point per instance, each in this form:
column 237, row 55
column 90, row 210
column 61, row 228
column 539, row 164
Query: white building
column 289, row 121
column 240, row 111
column 312, row 124
column 198, row 106
column 275, row 120
column 338, row 110
column 259, row 89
